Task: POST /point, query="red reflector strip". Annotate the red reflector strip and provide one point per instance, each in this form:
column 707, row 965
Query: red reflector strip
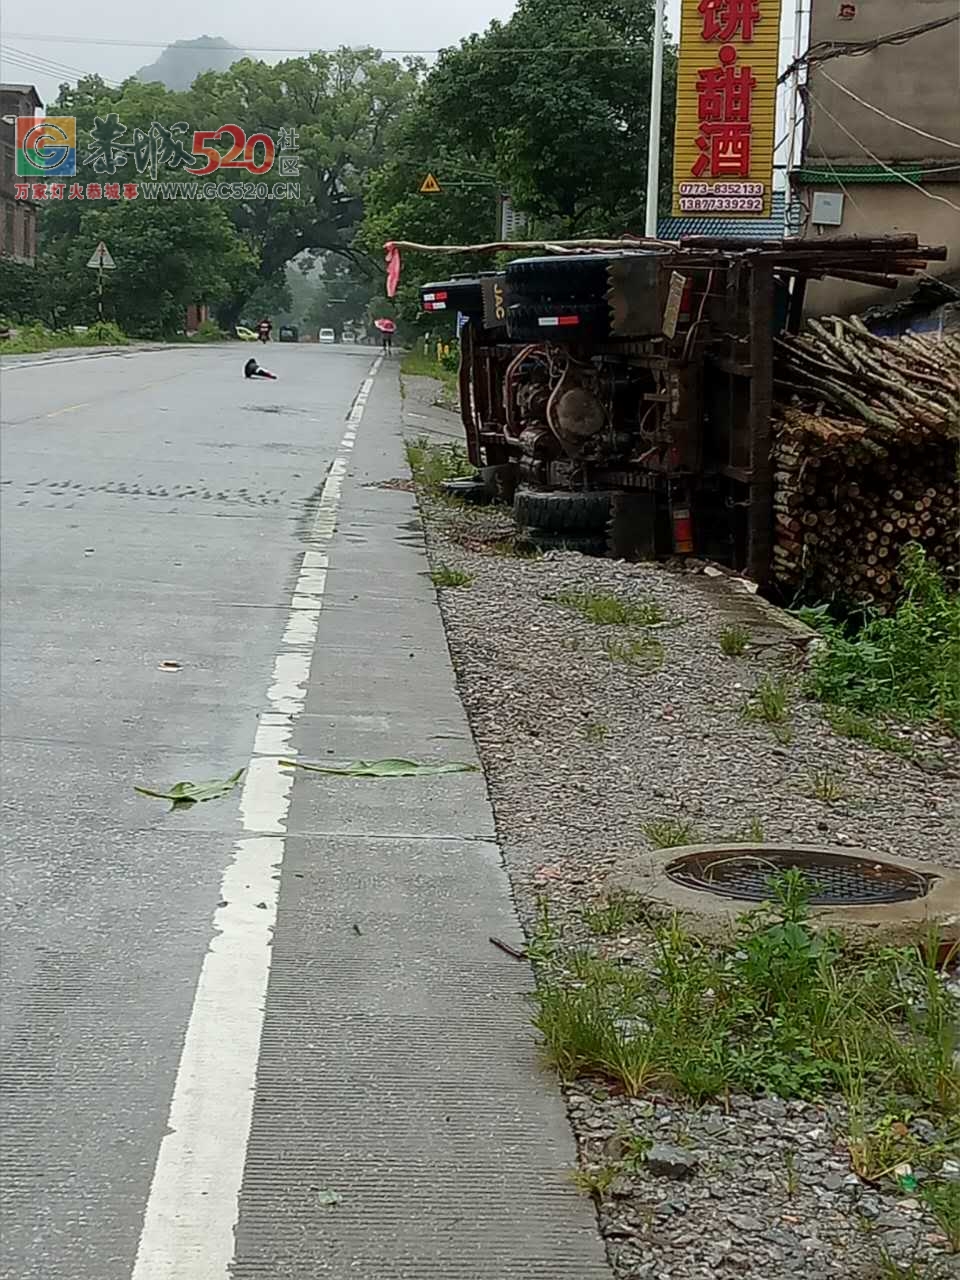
column 434, row 306
column 552, row 322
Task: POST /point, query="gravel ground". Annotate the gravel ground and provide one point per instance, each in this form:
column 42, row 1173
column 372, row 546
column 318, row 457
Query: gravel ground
column 581, row 750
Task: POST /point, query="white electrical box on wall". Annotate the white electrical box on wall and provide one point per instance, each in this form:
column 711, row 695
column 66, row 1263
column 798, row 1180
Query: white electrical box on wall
column 827, row 209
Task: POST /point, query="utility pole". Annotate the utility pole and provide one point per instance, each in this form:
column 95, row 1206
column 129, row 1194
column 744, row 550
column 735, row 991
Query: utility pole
column 794, row 109
column 653, row 148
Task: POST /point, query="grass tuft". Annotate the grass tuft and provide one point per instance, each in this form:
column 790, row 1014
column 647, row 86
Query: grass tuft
column 733, row 641
column 431, row 464
column 607, row 610
column 770, row 701
column 444, row 576
column 779, row 1009
column 669, row 833
column 826, row 785
column 906, row 664
column 646, row 654
column 618, row 912
column 942, row 1201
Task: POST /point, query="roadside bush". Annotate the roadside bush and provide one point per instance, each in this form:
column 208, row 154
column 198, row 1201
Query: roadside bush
column 781, row 1009
column 906, row 664
column 208, row 331
column 35, row 338
column 19, row 293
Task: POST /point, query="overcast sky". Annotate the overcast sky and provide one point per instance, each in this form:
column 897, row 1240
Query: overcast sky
column 303, row 24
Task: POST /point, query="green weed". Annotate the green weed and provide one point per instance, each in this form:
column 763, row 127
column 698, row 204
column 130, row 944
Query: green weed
column 942, row 1200
column 752, row 833
column 854, row 724
column 646, row 654
column 607, row 610
column 612, row 916
column 595, row 1180
column 826, row 785
column 780, row 1009
column 596, row 733
column 669, row 833
column 906, row 664
column 733, row 641
column 32, row 338
column 431, row 464
column 770, row 701
column 444, row 576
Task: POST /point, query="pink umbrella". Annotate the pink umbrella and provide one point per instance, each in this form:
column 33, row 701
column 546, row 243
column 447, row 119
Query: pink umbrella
column 385, row 326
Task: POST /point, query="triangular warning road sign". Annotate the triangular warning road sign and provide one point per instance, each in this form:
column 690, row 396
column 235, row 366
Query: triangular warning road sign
column 430, row 186
column 101, row 258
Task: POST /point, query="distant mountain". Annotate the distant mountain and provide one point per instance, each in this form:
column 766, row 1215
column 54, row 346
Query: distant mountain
column 181, row 62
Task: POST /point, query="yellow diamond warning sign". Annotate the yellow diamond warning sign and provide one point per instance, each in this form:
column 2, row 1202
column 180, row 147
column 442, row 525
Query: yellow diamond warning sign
column 430, row 186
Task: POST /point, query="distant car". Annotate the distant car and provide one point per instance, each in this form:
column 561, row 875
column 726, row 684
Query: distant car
column 327, row 335
column 244, row 334
column 289, row 333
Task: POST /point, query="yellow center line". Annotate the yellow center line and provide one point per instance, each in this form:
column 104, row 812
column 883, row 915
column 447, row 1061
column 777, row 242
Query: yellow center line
column 68, row 409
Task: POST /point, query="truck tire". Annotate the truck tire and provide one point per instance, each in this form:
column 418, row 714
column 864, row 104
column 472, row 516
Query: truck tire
column 466, row 489
column 452, row 296
column 561, row 512
column 577, row 277
column 586, row 546
column 558, row 321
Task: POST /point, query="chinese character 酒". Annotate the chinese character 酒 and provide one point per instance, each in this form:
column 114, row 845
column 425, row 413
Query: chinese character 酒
column 724, row 150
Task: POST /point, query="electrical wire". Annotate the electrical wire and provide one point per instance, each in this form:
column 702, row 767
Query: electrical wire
column 829, row 49
column 902, row 177
column 306, row 49
column 44, row 66
column 893, row 119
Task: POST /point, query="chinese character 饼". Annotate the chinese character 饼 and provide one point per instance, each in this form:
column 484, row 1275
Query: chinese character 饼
column 107, row 153
column 724, row 94
column 724, row 151
column 726, row 19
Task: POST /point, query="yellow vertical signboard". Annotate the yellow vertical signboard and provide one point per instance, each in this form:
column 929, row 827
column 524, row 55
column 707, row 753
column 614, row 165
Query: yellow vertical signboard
column 726, row 107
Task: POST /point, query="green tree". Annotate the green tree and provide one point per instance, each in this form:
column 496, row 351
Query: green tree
column 168, row 254
column 556, row 103
column 343, row 106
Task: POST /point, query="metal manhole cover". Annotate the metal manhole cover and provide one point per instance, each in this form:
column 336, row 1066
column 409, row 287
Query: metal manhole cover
column 838, row 880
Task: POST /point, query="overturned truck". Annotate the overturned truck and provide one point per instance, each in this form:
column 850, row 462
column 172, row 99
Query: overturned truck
column 620, row 394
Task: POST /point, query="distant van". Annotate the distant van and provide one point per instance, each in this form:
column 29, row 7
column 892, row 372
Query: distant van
column 327, row 335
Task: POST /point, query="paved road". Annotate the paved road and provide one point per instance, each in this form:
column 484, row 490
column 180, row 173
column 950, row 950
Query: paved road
column 165, row 1116
column 153, row 510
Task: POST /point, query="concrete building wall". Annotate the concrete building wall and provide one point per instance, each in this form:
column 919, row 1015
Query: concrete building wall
column 886, row 209
column 918, row 82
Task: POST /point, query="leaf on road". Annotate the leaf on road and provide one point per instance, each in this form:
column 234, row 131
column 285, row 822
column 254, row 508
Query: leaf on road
column 328, row 1199
column 184, row 794
column 384, row 768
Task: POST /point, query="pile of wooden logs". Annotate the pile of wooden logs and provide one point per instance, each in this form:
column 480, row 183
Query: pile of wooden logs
column 865, row 458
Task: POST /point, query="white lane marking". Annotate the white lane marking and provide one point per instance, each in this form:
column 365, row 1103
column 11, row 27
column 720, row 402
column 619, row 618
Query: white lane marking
column 188, row 1228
